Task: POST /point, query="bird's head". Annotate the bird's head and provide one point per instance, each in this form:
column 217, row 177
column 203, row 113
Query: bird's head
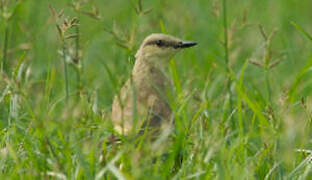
column 160, row 48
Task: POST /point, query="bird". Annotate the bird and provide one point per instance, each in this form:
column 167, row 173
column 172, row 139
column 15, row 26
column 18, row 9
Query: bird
column 142, row 102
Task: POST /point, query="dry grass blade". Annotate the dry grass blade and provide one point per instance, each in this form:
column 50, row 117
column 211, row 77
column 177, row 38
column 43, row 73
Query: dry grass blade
column 257, row 63
column 71, row 36
column 147, row 11
column 74, row 21
column 272, row 35
column 61, row 13
column 57, row 175
column 52, row 10
column 140, row 5
column 59, row 30
column 275, row 63
column 124, row 41
column 263, row 32
column 91, row 14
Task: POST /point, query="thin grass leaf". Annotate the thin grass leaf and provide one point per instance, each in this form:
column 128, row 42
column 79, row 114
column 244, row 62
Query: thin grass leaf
column 300, row 29
column 175, row 76
column 295, row 85
column 303, row 163
column 239, row 100
column 162, row 27
column 267, row 176
column 4, row 93
column 254, row 106
column 101, row 173
column 17, row 69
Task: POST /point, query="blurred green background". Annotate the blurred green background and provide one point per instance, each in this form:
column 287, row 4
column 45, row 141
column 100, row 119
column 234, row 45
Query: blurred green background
column 250, row 122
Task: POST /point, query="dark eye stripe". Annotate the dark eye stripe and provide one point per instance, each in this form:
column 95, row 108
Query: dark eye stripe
column 161, row 43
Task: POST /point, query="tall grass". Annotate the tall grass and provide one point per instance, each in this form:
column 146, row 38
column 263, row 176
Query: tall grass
column 242, row 107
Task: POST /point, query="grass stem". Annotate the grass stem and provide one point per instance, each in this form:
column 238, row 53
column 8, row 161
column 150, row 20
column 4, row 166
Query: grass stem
column 65, row 72
column 226, row 51
column 77, row 60
column 4, row 64
column 267, row 81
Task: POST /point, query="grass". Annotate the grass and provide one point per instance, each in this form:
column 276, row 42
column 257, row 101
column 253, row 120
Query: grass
column 241, row 98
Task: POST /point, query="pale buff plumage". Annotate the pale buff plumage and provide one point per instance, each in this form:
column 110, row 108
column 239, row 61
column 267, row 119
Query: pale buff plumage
column 145, row 92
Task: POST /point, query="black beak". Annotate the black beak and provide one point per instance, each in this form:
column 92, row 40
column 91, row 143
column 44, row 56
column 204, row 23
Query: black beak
column 186, row 44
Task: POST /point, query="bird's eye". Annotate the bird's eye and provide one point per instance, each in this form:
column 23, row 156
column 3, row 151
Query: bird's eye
column 159, row 42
